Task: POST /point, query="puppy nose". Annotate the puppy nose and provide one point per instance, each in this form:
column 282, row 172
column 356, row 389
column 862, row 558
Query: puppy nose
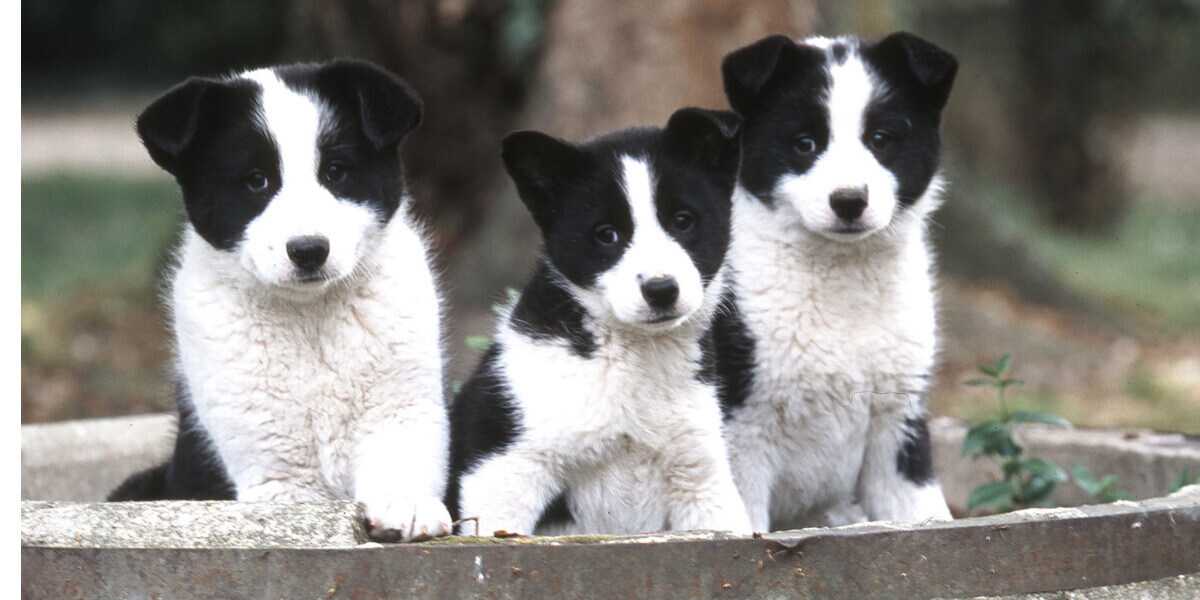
column 660, row 292
column 308, row 252
column 848, row 203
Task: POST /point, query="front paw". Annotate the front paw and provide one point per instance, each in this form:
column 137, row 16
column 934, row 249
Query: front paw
column 407, row 519
column 737, row 524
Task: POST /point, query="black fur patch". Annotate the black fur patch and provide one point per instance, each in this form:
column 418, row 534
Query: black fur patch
column 786, row 108
column 915, row 459
column 372, row 112
column 194, row 472
column 484, row 420
column 557, row 513
column 547, row 311
column 838, row 50
column 731, row 354
column 204, row 133
column 911, row 111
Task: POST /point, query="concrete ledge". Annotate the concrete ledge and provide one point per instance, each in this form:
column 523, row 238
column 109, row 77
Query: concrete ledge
column 85, row 460
column 1025, row 552
column 191, row 525
column 252, row 550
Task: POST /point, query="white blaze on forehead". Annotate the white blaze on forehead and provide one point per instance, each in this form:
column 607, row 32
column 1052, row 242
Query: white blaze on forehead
column 293, row 120
column 639, row 191
column 846, row 161
column 650, row 253
column 851, row 89
column 301, row 206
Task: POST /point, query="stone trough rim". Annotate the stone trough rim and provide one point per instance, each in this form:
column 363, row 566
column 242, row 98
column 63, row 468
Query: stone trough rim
column 1031, row 551
column 857, row 561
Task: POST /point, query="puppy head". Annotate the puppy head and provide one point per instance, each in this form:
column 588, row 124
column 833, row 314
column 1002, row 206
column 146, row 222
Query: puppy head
column 294, row 171
column 636, row 222
column 840, row 135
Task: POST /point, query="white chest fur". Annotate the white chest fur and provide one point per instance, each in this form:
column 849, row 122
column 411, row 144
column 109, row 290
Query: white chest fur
column 290, row 393
column 629, row 434
column 843, row 332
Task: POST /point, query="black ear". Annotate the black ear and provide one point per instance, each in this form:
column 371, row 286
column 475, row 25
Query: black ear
column 932, row 67
column 388, row 107
column 168, row 126
column 708, row 138
column 541, row 165
column 747, row 70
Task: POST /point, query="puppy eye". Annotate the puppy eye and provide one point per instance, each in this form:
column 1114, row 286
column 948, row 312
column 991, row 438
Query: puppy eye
column 257, row 182
column 334, row 173
column 607, row 235
column 683, row 221
column 880, row 140
column 806, row 145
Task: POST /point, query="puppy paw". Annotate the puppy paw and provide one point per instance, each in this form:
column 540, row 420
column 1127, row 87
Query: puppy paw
column 407, row 520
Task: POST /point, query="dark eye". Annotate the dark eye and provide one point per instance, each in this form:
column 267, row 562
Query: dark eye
column 607, row 235
column 880, row 140
column 683, row 221
column 257, row 182
column 334, row 173
column 806, row 145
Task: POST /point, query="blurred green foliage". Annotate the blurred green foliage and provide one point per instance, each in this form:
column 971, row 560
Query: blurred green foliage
column 79, row 230
column 1145, row 268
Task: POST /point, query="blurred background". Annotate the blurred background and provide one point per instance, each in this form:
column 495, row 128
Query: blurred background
column 1070, row 237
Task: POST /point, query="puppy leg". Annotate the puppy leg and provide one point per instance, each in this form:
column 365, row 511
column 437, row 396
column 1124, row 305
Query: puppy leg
column 508, row 492
column 897, row 482
column 400, row 476
column 702, row 493
column 753, row 479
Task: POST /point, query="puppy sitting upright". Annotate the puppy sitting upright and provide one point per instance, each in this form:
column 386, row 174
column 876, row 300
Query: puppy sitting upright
column 594, row 410
column 827, row 357
column 305, row 315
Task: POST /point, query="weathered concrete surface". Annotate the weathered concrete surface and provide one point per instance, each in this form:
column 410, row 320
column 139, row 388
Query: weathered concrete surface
column 191, row 525
column 1180, row 587
column 85, row 460
column 1025, row 552
column 1146, row 462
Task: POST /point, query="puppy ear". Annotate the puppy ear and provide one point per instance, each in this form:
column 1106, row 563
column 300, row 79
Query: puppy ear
column 168, row 126
column 747, row 70
column 708, row 138
column 930, row 66
column 388, row 108
column 541, row 166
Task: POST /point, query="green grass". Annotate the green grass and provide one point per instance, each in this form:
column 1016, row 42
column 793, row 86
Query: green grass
column 1149, row 267
column 79, row 231
column 92, row 339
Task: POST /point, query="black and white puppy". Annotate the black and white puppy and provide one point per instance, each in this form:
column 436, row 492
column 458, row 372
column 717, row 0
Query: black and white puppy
column 827, row 357
column 305, row 314
column 594, row 410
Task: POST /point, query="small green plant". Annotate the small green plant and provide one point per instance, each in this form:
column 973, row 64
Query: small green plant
column 1099, row 489
column 1186, row 478
column 1027, row 481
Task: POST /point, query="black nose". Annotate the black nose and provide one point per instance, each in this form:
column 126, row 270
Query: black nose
column 660, row 292
column 308, row 252
column 848, row 203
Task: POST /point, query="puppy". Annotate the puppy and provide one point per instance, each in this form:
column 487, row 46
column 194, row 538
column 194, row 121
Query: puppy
column 305, row 315
column 826, row 354
column 595, row 409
